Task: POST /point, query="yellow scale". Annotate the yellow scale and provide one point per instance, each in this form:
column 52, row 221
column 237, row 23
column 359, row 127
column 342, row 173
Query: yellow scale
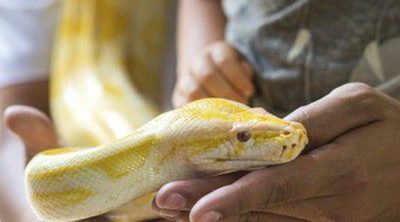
column 105, row 75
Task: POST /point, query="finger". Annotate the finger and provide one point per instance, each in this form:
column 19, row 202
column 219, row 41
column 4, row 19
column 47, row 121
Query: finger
column 182, row 195
column 171, row 215
column 248, row 70
column 175, row 215
column 353, row 207
column 180, row 99
column 187, row 90
column 355, row 177
column 344, row 109
column 247, row 217
column 263, row 216
column 308, row 176
column 33, row 127
column 211, row 80
column 309, row 209
column 227, row 61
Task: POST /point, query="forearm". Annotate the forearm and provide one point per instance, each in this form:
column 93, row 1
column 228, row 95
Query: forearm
column 200, row 22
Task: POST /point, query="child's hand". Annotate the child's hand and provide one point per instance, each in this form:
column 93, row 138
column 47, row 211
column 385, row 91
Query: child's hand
column 217, row 71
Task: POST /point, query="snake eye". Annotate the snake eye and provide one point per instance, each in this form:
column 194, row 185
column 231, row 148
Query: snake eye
column 243, row 136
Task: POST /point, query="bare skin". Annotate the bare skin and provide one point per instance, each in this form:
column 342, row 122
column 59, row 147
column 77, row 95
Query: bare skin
column 351, row 164
column 37, row 132
column 13, row 206
column 208, row 66
column 33, row 127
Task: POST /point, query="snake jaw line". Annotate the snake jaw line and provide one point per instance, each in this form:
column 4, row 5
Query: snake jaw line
column 199, row 139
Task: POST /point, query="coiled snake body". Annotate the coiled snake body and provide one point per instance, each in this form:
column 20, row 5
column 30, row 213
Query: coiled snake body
column 206, row 137
column 93, row 102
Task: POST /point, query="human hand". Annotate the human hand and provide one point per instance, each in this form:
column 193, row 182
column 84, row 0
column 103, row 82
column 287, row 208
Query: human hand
column 37, row 132
column 218, row 71
column 350, row 171
column 34, row 129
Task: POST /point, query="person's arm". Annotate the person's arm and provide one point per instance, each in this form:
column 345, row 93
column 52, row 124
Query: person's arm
column 207, row 65
column 199, row 24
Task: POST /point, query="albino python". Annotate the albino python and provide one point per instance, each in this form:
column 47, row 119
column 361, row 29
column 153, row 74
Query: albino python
column 100, row 47
column 206, row 137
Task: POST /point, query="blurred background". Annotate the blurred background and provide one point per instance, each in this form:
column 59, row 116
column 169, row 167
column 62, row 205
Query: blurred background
column 28, row 36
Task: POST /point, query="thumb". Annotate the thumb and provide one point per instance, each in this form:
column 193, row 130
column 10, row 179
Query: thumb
column 33, row 127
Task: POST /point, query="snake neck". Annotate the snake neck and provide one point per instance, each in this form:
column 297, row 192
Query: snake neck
column 112, row 174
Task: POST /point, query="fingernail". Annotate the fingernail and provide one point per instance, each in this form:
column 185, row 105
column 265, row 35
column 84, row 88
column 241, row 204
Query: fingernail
column 175, row 201
column 212, row 216
column 169, row 213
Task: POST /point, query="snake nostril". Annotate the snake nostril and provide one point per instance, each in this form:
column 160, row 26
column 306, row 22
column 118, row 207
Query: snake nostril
column 243, row 136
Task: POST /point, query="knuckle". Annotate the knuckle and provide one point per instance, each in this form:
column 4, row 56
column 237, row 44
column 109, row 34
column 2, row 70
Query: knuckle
column 201, row 64
column 354, row 86
column 223, row 59
column 223, row 54
column 356, row 92
column 361, row 98
column 203, row 72
column 220, row 46
column 364, row 93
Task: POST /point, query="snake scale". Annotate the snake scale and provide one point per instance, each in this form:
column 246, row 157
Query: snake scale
column 204, row 138
column 123, row 152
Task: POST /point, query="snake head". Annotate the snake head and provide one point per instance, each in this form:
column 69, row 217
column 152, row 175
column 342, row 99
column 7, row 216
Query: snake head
column 240, row 138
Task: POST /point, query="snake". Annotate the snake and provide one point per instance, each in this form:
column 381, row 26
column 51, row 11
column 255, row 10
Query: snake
column 120, row 149
column 204, row 138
